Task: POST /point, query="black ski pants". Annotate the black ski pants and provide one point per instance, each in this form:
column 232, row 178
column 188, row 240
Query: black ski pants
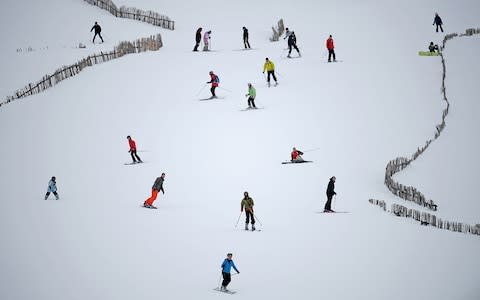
column 212, row 90
column 97, row 33
column 249, row 217
column 331, row 53
column 134, row 155
column 440, row 27
column 328, row 205
column 273, row 75
column 251, row 102
column 292, row 46
column 245, row 42
column 48, row 194
column 227, row 277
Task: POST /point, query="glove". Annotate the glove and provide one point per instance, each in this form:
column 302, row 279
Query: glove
column 207, row 82
column 263, row 72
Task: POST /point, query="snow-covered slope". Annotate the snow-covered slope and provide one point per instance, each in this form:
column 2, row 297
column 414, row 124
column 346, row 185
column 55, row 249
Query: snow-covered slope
column 382, row 101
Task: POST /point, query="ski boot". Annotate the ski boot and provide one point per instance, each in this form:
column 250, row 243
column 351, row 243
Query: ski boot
column 246, row 226
column 253, row 227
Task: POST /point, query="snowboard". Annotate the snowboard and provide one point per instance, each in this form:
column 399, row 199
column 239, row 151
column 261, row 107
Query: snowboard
column 296, row 162
column 428, row 53
column 149, row 207
column 226, row 292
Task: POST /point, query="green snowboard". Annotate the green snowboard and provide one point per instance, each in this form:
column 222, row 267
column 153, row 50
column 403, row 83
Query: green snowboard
column 428, row 53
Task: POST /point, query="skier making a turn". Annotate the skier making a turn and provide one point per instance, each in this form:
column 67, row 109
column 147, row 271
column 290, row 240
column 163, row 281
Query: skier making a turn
column 269, row 66
column 247, row 203
column 226, row 266
column 214, row 80
column 157, row 187
column 52, row 188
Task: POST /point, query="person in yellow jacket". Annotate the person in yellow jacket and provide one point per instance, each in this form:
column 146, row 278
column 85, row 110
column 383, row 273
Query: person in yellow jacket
column 270, row 68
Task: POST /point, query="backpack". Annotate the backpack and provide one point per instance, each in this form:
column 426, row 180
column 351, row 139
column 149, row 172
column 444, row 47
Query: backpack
column 217, row 79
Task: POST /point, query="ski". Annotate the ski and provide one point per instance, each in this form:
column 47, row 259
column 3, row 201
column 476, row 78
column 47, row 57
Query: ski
column 211, row 98
column 332, row 212
column 149, row 207
column 296, row 162
column 224, row 291
column 251, row 108
column 133, row 163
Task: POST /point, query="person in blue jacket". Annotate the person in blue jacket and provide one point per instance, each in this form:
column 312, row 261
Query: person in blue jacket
column 227, row 265
column 52, row 188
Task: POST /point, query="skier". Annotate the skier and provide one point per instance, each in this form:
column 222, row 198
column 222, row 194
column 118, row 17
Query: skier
column 330, row 194
column 432, row 47
column 226, row 266
column 292, row 42
column 269, row 66
column 133, row 150
column 247, row 203
column 214, row 80
column 98, row 29
column 252, row 93
column 296, row 155
column 52, row 188
column 157, row 187
column 198, row 38
column 330, row 47
column 245, row 38
column 206, row 38
column 438, row 21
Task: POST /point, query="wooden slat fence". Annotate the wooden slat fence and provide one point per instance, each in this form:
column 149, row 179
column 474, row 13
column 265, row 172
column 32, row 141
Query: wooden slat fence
column 133, row 13
column 152, row 43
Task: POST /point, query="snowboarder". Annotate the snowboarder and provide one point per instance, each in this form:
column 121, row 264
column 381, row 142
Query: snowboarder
column 214, row 80
column 198, row 38
column 292, row 42
column 133, row 150
column 432, row 47
column 157, row 187
column 330, row 47
column 52, row 188
column 206, row 39
column 245, row 38
column 296, row 155
column 227, row 266
column 97, row 29
column 252, row 93
column 247, row 203
column 438, row 21
column 269, row 66
column 330, row 193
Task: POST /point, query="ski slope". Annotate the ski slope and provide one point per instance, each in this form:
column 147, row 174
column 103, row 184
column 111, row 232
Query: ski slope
column 380, row 102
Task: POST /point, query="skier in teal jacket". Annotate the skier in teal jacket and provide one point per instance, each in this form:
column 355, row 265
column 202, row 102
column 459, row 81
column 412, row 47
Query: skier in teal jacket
column 227, row 266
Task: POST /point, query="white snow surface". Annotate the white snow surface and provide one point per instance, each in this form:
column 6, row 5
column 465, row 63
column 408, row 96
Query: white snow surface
column 381, row 102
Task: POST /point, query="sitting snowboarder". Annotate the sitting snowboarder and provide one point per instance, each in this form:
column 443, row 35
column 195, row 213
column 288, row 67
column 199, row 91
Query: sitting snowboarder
column 433, row 47
column 296, row 156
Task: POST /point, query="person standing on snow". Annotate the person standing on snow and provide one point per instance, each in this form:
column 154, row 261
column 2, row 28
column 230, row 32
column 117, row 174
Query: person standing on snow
column 214, row 80
column 97, row 29
column 198, row 38
column 157, row 187
column 52, row 188
column 227, row 266
column 330, row 47
column 247, row 203
column 252, row 93
column 245, row 38
column 133, row 150
column 296, row 155
column 330, row 193
column 269, row 66
column 292, row 42
column 206, row 39
column 438, row 21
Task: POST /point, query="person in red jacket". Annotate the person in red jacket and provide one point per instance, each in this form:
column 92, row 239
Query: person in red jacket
column 214, row 80
column 296, row 155
column 330, row 48
column 133, row 150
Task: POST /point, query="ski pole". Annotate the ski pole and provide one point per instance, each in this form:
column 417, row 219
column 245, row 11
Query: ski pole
column 225, row 89
column 220, row 280
column 239, row 218
column 257, row 220
column 202, row 89
column 309, row 150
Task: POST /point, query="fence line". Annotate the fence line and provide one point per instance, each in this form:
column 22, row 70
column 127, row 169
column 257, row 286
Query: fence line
column 152, row 43
column 133, row 13
column 396, row 165
column 427, row 219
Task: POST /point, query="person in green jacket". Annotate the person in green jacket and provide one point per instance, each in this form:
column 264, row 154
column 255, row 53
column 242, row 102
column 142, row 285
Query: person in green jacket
column 247, row 203
column 252, row 93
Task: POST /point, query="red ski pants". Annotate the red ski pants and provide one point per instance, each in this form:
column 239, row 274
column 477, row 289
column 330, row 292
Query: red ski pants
column 150, row 200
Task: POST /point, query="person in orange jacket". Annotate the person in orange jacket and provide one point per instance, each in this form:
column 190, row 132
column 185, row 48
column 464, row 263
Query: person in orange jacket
column 157, row 187
column 133, row 150
column 330, row 47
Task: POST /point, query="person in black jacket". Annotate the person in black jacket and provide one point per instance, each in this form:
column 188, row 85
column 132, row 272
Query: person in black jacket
column 330, row 194
column 245, row 38
column 292, row 42
column 98, row 29
column 198, row 38
column 438, row 21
